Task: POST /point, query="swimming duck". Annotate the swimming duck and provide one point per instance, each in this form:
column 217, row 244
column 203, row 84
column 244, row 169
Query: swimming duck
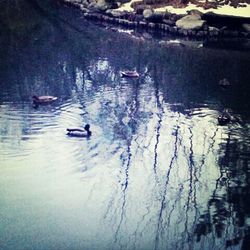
column 79, row 132
column 224, row 118
column 45, row 99
column 129, row 73
column 224, row 83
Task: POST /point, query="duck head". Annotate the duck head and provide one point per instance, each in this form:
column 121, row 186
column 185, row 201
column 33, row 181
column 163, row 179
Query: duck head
column 35, row 98
column 87, row 127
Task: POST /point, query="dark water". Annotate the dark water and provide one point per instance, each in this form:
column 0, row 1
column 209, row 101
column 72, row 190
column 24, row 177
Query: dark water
column 158, row 172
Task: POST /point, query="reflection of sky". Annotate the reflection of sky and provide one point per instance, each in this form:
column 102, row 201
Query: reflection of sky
column 141, row 180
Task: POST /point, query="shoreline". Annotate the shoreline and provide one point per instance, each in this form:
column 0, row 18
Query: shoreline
column 194, row 24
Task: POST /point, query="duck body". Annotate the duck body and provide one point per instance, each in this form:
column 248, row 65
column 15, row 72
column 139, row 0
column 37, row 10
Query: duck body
column 131, row 74
column 224, row 83
column 45, row 99
column 79, row 132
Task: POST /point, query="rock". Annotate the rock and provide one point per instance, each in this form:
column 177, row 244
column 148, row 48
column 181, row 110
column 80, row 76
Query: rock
column 173, row 43
column 167, row 15
column 192, row 22
column 169, row 22
column 147, row 13
column 193, row 32
column 180, row 31
column 83, row 9
column 246, row 27
column 185, row 32
column 194, row 12
column 200, row 33
column 225, row 20
column 142, row 24
column 213, row 31
column 161, row 26
column 151, row 25
column 173, row 29
column 92, row 16
column 243, row 34
column 156, row 18
column 137, row 18
column 92, row 7
column 99, row 6
column 152, row 16
column 115, row 13
column 140, row 8
column 175, row 17
column 211, row 28
column 166, row 27
column 205, row 27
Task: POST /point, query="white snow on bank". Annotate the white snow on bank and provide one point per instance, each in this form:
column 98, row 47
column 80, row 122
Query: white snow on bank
column 126, row 6
column 225, row 9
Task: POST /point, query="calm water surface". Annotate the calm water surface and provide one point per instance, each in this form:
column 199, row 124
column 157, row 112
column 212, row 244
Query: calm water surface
column 158, row 172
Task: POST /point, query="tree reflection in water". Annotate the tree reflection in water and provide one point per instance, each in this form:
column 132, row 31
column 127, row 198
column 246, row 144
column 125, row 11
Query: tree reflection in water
column 158, row 172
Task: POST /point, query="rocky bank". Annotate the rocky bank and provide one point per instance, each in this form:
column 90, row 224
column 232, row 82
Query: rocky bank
column 193, row 24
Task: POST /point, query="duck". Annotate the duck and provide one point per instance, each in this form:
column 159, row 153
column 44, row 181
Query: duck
column 224, row 118
column 130, row 73
column 79, row 132
column 45, row 99
column 224, row 83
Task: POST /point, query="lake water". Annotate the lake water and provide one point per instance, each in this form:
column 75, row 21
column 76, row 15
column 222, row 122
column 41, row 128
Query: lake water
column 158, row 171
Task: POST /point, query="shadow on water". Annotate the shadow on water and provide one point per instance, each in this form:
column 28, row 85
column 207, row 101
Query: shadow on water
column 158, row 171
